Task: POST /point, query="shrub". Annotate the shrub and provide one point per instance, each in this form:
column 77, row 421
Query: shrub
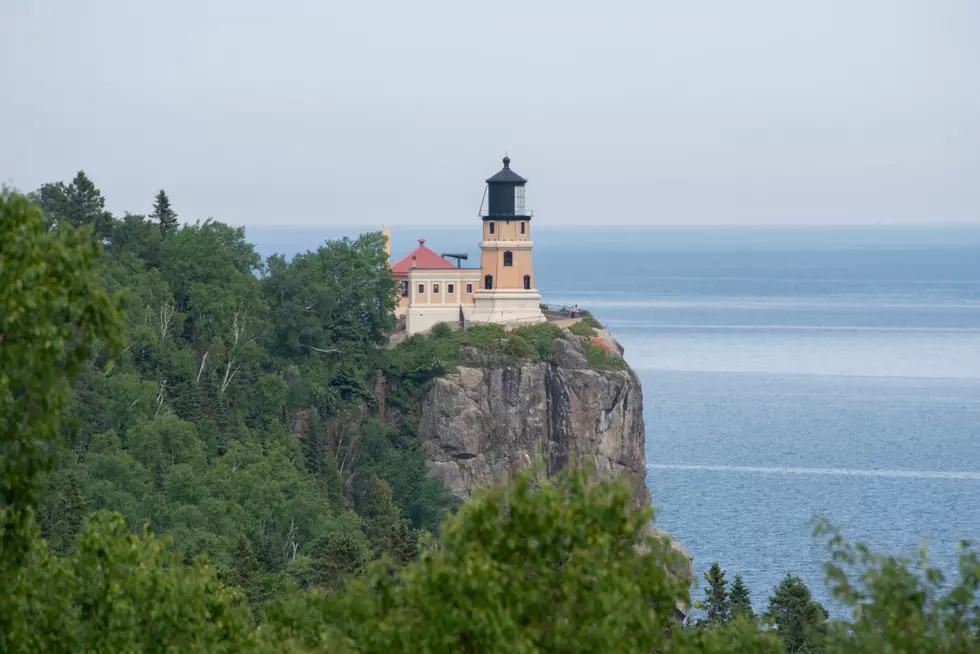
column 482, row 337
column 583, row 328
column 441, row 330
column 590, row 320
column 541, row 338
column 600, row 360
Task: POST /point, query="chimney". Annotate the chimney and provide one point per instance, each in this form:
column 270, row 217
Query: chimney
column 386, row 230
column 413, row 261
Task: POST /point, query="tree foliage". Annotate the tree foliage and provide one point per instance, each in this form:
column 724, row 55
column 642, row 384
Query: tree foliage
column 716, row 603
column 536, row 566
column 798, row 619
column 739, row 600
column 901, row 605
column 206, row 423
column 54, row 318
column 163, row 214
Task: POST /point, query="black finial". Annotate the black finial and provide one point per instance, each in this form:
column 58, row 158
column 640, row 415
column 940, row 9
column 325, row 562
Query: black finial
column 506, row 161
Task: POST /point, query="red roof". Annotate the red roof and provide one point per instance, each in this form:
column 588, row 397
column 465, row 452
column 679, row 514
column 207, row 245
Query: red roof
column 424, row 258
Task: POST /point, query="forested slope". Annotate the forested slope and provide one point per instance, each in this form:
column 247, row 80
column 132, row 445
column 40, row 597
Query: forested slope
column 239, row 417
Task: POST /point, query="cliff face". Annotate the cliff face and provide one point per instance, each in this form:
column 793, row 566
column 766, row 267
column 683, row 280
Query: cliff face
column 484, row 422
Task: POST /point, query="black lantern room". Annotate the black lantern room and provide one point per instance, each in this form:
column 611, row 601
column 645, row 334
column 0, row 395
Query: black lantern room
column 505, row 196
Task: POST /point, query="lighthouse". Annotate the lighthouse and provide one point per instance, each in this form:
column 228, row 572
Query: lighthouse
column 506, row 291
column 434, row 290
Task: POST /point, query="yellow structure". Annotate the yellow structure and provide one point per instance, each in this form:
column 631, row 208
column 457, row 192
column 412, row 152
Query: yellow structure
column 501, row 290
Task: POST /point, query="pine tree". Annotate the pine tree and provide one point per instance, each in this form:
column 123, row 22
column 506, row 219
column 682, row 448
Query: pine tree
column 72, row 510
column 85, row 202
column 246, row 565
column 716, row 602
column 77, row 204
column 338, row 556
column 402, row 547
column 798, row 619
column 383, row 523
column 739, row 599
column 159, row 482
column 163, row 214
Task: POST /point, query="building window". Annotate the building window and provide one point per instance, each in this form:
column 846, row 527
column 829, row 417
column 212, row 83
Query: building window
column 450, row 289
column 435, row 288
column 523, row 228
column 508, row 258
column 404, row 288
column 519, row 200
column 527, row 282
column 421, row 289
column 469, row 288
column 488, row 282
column 492, row 228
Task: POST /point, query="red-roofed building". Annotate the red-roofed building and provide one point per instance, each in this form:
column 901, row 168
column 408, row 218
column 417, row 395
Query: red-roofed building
column 435, row 290
column 420, row 257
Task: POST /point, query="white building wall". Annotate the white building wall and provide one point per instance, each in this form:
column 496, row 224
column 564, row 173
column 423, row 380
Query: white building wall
column 507, row 307
column 423, row 311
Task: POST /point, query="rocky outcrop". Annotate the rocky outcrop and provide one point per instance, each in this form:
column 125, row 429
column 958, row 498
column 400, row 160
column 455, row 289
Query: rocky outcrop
column 486, row 421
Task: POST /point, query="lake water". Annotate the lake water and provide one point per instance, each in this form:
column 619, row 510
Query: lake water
column 787, row 373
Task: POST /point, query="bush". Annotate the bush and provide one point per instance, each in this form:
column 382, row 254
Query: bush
column 590, row 320
column 583, row 328
column 482, row 337
column 441, row 330
column 600, row 360
column 542, row 338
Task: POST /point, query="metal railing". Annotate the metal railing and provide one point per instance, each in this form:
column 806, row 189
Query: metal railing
column 565, row 309
column 485, row 213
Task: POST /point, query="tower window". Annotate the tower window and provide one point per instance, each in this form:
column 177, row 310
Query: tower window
column 450, row 289
column 488, row 282
column 492, row 228
column 519, row 200
column 469, row 288
column 527, row 282
column 404, row 288
column 508, row 258
column 421, row 289
column 523, row 227
column 435, row 288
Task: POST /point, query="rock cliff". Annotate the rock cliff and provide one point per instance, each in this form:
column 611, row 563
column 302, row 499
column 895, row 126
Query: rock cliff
column 485, row 421
column 488, row 420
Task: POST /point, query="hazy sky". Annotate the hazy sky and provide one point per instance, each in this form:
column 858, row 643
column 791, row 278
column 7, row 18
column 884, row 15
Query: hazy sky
column 642, row 112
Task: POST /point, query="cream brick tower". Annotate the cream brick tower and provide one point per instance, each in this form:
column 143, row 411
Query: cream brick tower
column 506, row 292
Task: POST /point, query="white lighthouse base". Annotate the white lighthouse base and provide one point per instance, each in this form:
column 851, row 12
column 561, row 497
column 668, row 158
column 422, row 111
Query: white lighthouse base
column 510, row 307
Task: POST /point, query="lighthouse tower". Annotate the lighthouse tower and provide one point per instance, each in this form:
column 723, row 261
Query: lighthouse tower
column 506, row 292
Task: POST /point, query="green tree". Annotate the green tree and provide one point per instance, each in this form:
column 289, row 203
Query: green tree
column 799, row 620
column 163, row 214
column 383, row 523
column 339, row 296
column 77, row 204
column 738, row 599
column 534, row 566
column 338, row 557
column 136, row 237
column 901, row 605
column 716, row 604
column 53, row 316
